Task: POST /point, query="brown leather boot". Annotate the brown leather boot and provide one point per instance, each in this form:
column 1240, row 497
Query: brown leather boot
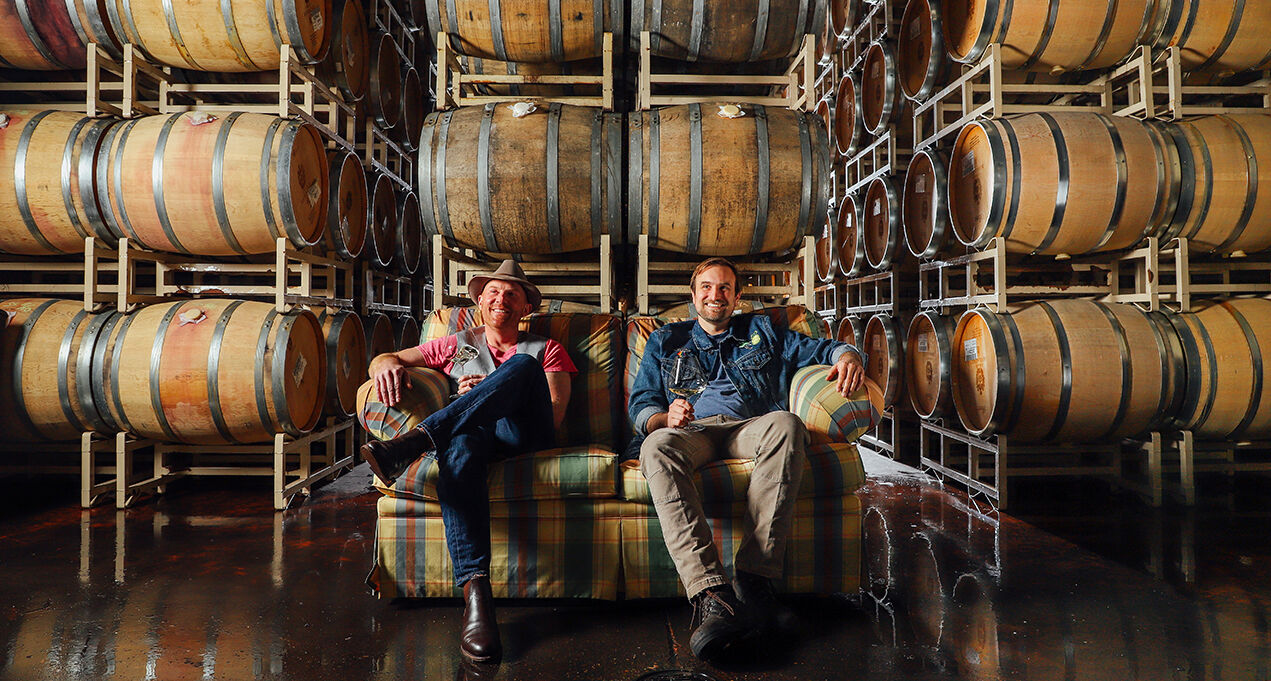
column 389, row 459
column 479, row 641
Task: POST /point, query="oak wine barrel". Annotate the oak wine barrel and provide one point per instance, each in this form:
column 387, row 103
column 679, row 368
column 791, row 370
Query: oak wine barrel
column 213, row 371
column 850, row 330
column 405, row 331
column 224, row 36
column 880, row 223
column 380, row 338
column 347, row 65
column 1219, row 37
column 347, row 205
column 923, row 211
column 48, row 198
column 883, row 342
column 921, row 61
column 346, row 360
column 1045, row 36
column 410, row 237
column 725, row 30
column 851, row 242
column 929, row 364
column 848, row 129
column 46, row 370
column 382, row 235
column 548, row 182
column 1065, row 371
column 882, row 101
column 1227, row 345
column 843, row 15
column 413, row 109
column 705, row 183
column 527, row 30
column 1061, row 183
column 825, row 109
column 1226, row 185
column 228, row 186
column 53, row 36
column 384, row 94
column 826, row 253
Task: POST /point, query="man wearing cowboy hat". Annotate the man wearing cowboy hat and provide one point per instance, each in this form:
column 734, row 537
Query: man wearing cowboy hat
column 512, row 389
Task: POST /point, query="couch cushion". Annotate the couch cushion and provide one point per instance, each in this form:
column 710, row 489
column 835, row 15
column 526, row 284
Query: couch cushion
column 597, row 410
column 831, row 470
column 586, row 472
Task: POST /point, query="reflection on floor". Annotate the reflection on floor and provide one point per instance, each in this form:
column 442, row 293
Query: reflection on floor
column 209, row 582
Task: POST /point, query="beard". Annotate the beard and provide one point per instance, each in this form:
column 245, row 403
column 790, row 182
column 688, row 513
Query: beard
column 712, row 316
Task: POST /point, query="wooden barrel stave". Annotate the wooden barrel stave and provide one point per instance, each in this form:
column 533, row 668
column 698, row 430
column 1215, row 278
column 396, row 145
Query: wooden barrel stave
column 194, row 197
column 231, row 37
column 346, row 360
column 1219, row 37
column 179, row 372
column 1081, row 371
column 710, row 192
column 1061, row 183
column 49, row 194
column 528, row 185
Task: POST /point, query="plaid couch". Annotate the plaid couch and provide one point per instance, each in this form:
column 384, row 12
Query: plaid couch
column 574, row 521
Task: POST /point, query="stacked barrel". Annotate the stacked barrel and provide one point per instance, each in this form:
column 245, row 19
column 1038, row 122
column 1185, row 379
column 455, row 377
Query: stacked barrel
column 205, row 185
column 866, row 105
column 1051, row 369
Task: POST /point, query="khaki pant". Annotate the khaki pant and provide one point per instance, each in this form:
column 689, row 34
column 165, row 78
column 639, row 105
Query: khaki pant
column 777, row 441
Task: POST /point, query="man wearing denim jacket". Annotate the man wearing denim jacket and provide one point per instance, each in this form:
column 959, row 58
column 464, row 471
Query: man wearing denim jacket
column 742, row 413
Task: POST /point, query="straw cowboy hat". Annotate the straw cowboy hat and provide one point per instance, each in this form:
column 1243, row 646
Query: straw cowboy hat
column 508, row 271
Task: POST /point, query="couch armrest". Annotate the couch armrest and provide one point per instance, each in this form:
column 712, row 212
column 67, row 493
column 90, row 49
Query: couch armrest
column 829, row 416
column 429, row 391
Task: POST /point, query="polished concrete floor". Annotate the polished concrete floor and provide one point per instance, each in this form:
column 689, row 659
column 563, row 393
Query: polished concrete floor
column 208, row 582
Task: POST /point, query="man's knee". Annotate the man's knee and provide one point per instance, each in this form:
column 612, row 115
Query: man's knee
column 663, row 450
column 784, row 425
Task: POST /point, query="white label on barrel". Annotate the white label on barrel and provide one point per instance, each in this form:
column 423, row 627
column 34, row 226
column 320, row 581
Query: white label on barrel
column 971, row 348
column 915, row 27
column 878, row 206
column 314, row 192
column 346, row 364
column 968, row 163
column 298, row 372
column 315, row 18
column 922, row 342
column 920, row 187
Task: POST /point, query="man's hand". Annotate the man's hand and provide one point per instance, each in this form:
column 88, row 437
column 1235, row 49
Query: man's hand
column 848, row 373
column 679, row 414
column 390, row 376
column 469, row 382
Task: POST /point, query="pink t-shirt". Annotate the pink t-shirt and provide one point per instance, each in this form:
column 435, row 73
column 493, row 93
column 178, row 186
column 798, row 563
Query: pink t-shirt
column 437, row 354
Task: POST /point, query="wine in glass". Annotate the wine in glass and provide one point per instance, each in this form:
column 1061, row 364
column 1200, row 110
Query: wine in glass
column 687, row 379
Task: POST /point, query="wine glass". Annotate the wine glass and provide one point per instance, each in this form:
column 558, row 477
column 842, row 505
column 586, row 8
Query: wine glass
column 687, row 379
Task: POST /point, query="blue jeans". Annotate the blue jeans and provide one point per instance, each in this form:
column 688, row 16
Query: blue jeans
column 508, row 413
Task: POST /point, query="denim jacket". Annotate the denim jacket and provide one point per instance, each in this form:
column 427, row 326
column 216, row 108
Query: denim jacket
column 759, row 359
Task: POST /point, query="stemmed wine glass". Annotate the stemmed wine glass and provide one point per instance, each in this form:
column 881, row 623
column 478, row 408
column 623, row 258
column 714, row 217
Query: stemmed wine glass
column 687, row 379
